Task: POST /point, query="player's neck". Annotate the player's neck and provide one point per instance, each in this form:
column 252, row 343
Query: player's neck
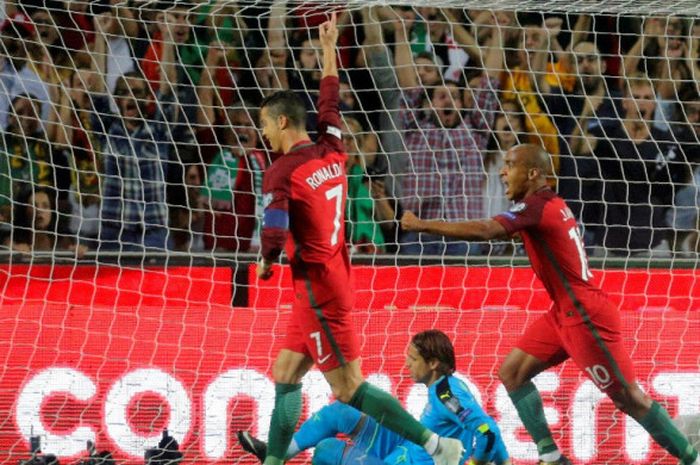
column 535, row 187
column 294, row 138
column 433, row 378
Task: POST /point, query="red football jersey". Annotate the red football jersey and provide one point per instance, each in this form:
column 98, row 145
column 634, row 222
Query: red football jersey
column 556, row 251
column 304, row 195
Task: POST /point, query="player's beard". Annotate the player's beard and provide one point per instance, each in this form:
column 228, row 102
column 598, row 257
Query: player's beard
column 590, row 84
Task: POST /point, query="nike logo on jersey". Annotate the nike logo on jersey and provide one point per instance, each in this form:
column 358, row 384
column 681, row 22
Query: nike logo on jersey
column 322, row 360
column 325, row 173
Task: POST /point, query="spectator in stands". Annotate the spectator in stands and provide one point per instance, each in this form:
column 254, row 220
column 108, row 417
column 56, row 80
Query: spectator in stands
column 350, row 106
column 27, row 154
column 591, row 105
column 377, row 58
column 54, row 60
column 232, row 191
column 34, row 225
column 189, row 58
column 18, row 75
column 362, row 228
column 304, row 73
column 436, row 32
column 75, row 137
column 187, row 216
column 445, row 175
column 114, row 29
column 643, row 167
column 78, row 31
column 662, row 52
column 526, row 79
column 694, row 50
column 134, row 214
column 270, row 73
column 484, row 23
column 683, row 217
column 220, row 21
column 509, row 131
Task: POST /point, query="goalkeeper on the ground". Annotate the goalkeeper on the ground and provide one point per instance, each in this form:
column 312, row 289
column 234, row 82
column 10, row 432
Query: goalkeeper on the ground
column 451, row 411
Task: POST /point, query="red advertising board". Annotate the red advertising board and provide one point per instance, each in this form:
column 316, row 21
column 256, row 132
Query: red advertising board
column 115, row 355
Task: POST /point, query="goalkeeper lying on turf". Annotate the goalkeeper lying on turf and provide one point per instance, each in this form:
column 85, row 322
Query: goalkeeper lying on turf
column 451, row 411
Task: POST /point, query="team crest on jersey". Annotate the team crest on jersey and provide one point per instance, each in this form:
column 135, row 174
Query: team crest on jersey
column 267, row 200
column 517, row 208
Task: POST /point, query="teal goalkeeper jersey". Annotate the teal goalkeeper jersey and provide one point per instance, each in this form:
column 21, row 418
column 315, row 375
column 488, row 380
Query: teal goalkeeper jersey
column 451, row 411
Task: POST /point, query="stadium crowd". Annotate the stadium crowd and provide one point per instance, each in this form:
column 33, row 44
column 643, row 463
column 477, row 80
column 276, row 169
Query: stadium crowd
column 131, row 125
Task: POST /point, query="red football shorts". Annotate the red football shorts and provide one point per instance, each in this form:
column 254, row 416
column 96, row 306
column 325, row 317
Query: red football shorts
column 325, row 334
column 597, row 349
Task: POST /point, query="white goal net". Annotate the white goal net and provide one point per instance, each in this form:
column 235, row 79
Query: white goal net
column 131, row 169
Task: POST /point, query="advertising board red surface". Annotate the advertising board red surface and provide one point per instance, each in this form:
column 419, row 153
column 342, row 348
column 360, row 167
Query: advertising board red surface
column 115, row 355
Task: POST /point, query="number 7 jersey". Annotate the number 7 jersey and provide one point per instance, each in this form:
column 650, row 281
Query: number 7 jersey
column 304, row 194
column 554, row 245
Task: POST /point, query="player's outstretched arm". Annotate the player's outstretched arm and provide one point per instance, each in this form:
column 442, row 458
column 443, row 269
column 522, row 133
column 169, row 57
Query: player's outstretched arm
column 328, row 34
column 478, row 230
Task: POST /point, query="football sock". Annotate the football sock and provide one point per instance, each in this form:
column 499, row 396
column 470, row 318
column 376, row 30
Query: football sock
column 528, row 403
column 284, row 419
column 293, row 449
column 388, row 412
column 659, row 426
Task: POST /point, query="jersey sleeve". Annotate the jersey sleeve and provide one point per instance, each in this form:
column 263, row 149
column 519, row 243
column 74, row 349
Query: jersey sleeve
column 275, row 226
column 458, row 404
column 329, row 124
column 522, row 215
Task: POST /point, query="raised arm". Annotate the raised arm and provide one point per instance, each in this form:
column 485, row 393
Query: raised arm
column 328, row 34
column 103, row 24
column 125, row 16
column 276, row 24
column 582, row 142
column 168, row 72
column 60, row 131
column 581, row 30
column 462, row 35
column 652, row 28
column 206, row 90
column 475, row 230
column 403, row 58
column 329, row 122
column 494, row 58
column 270, row 69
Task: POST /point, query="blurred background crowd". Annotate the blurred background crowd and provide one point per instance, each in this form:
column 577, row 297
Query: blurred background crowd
column 131, row 125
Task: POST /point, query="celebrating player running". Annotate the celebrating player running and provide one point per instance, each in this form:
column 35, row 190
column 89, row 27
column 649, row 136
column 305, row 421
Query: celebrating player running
column 304, row 195
column 582, row 324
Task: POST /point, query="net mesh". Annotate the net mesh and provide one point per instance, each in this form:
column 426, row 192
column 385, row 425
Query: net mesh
column 131, row 171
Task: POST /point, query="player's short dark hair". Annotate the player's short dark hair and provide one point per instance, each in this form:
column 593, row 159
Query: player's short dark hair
column 286, row 103
column 433, row 344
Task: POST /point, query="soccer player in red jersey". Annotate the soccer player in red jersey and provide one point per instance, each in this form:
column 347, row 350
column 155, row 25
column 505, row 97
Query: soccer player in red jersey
column 582, row 323
column 304, row 193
